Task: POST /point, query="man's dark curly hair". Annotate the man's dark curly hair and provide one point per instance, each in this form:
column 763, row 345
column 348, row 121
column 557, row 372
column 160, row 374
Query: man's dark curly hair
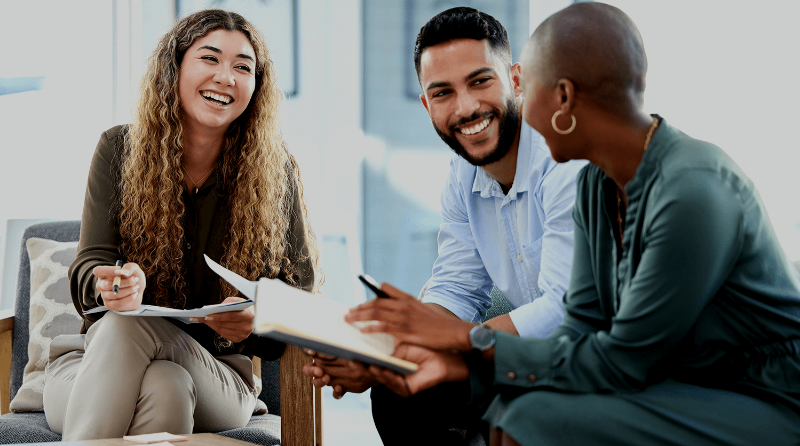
column 462, row 23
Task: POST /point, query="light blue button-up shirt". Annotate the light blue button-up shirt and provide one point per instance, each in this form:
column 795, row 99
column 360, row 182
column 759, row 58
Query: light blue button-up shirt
column 521, row 241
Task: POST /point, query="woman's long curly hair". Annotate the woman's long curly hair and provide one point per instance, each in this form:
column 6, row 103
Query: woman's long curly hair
column 256, row 174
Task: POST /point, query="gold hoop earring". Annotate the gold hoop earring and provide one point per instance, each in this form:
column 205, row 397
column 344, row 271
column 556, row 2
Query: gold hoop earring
column 563, row 132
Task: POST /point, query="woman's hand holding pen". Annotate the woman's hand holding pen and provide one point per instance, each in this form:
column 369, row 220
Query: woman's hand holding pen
column 234, row 326
column 131, row 286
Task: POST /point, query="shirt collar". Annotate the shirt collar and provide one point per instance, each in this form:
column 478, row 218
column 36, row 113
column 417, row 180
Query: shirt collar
column 486, row 186
column 656, row 149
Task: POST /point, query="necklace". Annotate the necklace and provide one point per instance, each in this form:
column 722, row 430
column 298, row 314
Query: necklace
column 620, row 223
column 196, row 189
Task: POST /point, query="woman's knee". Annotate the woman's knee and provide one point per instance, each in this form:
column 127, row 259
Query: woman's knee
column 116, row 330
column 167, row 400
column 168, row 384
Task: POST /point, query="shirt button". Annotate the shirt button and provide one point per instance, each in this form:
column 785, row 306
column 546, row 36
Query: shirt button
column 519, row 257
column 511, row 376
column 531, row 378
column 188, row 245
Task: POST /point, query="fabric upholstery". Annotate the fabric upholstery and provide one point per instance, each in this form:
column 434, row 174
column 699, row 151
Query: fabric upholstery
column 51, row 314
column 65, row 231
column 261, row 429
column 32, row 427
column 26, row 428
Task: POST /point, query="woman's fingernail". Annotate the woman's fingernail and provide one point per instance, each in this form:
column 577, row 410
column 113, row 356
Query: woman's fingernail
column 194, row 319
column 209, row 318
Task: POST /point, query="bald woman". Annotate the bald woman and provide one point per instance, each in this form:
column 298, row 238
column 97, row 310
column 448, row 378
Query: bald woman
column 682, row 321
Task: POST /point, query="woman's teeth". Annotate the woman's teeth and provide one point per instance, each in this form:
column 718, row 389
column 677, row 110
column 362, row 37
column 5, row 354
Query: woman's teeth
column 222, row 99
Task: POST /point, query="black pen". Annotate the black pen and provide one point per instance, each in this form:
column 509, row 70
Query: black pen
column 370, row 283
column 115, row 288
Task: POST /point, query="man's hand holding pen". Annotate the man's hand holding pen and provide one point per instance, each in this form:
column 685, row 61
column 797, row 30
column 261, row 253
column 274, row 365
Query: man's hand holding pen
column 426, row 335
column 131, row 284
column 411, row 321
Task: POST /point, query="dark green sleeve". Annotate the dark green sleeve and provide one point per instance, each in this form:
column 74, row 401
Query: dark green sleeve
column 99, row 240
column 692, row 234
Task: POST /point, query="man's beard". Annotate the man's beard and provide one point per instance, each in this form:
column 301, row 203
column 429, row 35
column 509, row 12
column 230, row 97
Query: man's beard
column 508, row 124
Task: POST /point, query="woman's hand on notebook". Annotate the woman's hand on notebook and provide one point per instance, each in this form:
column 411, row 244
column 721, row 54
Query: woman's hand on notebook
column 234, row 326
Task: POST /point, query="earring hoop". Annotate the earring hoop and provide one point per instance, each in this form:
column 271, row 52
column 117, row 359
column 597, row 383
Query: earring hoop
column 563, row 132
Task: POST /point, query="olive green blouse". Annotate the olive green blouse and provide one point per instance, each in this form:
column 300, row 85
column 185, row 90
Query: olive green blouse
column 204, row 228
column 702, row 293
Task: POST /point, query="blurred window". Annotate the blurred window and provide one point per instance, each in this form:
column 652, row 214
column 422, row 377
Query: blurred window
column 55, row 100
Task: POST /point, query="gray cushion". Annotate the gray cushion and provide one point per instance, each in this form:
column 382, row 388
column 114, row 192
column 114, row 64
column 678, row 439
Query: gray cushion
column 61, row 231
column 25, row 428
column 51, row 314
column 261, row 429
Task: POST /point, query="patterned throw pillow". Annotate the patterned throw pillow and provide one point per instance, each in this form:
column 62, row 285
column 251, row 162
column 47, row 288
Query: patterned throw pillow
column 51, row 314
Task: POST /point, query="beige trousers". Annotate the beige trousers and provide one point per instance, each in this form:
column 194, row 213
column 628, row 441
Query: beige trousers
column 136, row 375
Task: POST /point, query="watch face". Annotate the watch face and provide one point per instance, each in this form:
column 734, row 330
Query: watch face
column 481, row 337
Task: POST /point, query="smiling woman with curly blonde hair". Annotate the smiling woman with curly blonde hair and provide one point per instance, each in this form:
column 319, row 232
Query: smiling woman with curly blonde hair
column 202, row 169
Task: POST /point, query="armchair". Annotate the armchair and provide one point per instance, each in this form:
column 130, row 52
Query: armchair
column 288, row 395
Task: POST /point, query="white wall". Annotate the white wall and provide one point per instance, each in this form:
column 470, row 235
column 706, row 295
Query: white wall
column 47, row 137
column 727, row 72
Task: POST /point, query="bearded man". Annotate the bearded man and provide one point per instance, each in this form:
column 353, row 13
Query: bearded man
column 506, row 221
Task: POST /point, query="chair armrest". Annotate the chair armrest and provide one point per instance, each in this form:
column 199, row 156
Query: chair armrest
column 6, row 335
column 298, row 424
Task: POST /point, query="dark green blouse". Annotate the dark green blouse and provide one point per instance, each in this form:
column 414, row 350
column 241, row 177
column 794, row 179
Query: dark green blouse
column 703, row 292
column 204, row 226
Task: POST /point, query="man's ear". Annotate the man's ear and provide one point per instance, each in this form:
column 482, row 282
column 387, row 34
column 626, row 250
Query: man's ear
column 516, row 71
column 424, row 103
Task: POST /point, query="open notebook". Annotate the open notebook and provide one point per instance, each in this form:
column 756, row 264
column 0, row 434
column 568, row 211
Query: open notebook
column 181, row 315
column 312, row 321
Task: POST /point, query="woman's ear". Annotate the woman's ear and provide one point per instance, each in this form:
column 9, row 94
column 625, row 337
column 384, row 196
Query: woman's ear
column 565, row 90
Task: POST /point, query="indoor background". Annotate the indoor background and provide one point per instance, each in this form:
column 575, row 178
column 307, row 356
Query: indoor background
column 371, row 163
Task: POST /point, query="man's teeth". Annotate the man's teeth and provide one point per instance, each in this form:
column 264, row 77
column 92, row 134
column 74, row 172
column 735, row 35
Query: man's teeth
column 217, row 97
column 475, row 128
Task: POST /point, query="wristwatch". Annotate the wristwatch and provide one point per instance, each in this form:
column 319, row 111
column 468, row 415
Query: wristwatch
column 481, row 337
